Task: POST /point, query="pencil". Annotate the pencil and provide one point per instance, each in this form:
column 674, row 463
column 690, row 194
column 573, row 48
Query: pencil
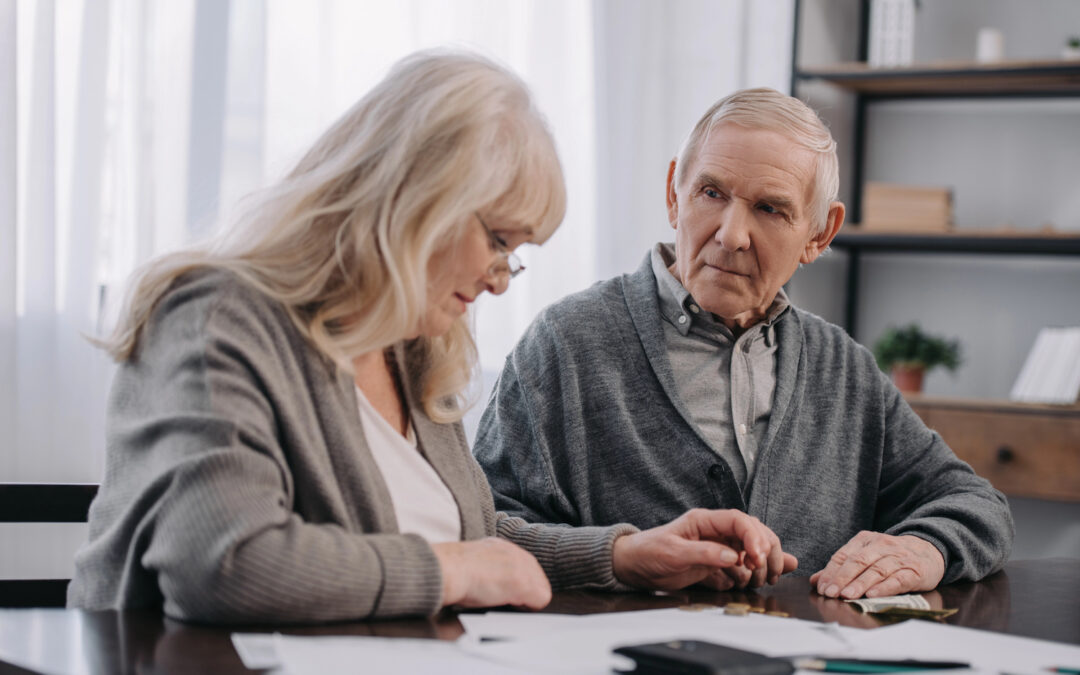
column 875, row 665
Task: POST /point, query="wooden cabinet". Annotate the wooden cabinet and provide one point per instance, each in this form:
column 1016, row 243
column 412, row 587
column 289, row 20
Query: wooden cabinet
column 1025, row 450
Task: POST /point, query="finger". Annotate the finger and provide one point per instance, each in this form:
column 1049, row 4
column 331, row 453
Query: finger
column 791, row 563
column 776, row 561
column 740, row 575
column 847, row 563
column 883, row 568
column 709, row 554
column 903, row 581
column 720, row 525
column 759, row 576
column 814, row 577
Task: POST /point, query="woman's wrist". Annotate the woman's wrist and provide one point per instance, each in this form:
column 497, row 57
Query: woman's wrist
column 447, row 554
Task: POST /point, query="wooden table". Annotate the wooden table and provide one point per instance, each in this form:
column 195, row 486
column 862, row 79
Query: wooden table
column 1036, row 598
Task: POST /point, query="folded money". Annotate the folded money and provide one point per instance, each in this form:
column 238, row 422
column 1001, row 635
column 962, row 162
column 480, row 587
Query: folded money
column 899, row 607
column 874, row 605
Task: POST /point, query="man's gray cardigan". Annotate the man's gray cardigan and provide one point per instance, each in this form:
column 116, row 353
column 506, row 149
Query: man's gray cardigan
column 239, row 486
column 586, row 427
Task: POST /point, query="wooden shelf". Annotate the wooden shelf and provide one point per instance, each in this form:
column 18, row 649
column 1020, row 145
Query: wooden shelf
column 992, row 405
column 970, row 241
column 1016, row 78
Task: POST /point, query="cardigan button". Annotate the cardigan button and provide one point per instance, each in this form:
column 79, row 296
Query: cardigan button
column 716, row 471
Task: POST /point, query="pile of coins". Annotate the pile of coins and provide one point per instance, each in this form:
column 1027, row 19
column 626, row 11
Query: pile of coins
column 733, row 609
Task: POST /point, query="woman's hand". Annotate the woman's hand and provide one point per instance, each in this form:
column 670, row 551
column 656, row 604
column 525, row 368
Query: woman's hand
column 491, row 572
column 702, row 546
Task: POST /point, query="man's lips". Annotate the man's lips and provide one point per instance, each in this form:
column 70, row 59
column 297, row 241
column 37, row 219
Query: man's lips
column 727, row 270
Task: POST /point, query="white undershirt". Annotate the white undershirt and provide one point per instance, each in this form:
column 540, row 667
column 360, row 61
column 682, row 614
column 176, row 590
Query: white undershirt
column 422, row 502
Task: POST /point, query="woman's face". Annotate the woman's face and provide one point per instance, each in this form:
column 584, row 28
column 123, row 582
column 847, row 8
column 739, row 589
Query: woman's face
column 459, row 274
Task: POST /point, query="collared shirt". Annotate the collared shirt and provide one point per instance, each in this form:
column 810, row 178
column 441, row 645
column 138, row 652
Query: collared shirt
column 727, row 383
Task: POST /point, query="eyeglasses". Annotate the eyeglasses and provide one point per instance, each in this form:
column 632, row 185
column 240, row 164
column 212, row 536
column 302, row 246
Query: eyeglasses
column 508, row 264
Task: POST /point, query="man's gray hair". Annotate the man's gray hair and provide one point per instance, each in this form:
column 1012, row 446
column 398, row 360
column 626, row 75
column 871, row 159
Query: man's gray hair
column 768, row 109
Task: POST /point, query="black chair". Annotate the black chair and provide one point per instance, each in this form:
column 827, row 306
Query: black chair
column 41, row 503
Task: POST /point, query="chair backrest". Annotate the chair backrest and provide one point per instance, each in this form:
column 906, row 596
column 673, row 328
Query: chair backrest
column 41, row 503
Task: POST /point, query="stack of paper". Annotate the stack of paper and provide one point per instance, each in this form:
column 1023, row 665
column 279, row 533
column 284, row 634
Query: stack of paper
column 1051, row 373
column 515, row 642
column 890, row 206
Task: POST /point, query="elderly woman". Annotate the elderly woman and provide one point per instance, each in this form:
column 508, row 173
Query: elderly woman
column 284, row 441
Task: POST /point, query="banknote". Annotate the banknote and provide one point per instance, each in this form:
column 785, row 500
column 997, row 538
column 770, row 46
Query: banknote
column 909, row 601
column 899, row 607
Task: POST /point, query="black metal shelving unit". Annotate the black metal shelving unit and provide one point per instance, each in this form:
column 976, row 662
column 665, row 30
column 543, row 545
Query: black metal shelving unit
column 1048, row 79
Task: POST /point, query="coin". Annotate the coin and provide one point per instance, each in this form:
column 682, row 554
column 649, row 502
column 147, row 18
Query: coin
column 736, row 611
column 696, row 607
column 777, row 613
column 738, row 605
column 757, row 610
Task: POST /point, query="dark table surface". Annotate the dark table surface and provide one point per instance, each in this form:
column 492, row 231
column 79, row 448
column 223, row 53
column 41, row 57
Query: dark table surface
column 1034, row 598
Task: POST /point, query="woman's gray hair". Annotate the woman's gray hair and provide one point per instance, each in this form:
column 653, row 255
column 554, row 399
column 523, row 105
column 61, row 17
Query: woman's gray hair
column 765, row 108
column 343, row 242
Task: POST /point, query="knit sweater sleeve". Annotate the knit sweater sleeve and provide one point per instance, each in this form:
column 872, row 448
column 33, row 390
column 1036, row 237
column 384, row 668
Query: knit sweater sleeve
column 199, row 480
column 928, row 492
column 571, row 557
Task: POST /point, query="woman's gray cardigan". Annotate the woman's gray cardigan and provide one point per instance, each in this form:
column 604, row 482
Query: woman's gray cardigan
column 239, row 486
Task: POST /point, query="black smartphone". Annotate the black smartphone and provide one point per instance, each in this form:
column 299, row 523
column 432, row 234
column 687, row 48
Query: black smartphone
column 696, row 657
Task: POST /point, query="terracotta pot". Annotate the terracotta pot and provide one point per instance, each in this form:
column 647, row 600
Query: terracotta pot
column 907, row 378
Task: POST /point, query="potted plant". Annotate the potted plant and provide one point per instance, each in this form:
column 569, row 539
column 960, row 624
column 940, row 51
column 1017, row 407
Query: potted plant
column 908, row 352
column 1072, row 48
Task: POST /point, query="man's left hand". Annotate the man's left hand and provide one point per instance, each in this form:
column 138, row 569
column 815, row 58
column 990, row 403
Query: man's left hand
column 875, row 564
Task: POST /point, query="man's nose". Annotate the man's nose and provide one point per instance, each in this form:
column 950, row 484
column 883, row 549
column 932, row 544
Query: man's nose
column 734, row 231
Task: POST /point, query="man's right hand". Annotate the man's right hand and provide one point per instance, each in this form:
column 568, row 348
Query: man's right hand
column 702, row 546
column 491, row 572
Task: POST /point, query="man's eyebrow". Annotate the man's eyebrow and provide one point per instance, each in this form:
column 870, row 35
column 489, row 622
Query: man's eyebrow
column 706, row 178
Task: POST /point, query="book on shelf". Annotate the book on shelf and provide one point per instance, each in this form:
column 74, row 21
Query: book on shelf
column 892, row 33
column 1051, row 372
column 906, row 208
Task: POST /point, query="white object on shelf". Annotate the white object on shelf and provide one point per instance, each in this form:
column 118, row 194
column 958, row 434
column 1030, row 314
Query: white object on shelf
column 892, row 33
column 990, row 46
column 1051, row 372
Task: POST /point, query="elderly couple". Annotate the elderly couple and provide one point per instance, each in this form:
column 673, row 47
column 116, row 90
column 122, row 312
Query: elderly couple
column 284, row 441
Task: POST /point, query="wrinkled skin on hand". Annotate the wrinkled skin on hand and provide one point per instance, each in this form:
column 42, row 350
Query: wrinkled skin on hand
column 875, row 564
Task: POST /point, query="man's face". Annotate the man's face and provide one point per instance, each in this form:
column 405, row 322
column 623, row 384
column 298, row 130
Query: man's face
column 742, row 223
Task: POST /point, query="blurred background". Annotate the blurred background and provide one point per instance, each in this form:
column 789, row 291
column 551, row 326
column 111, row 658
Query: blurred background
column 131, row 127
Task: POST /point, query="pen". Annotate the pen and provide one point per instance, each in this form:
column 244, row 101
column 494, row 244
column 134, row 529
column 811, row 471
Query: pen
column 874, row 665
column 1064, row 669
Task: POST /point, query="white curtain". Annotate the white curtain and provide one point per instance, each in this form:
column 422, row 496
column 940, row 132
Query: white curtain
column 130, row 127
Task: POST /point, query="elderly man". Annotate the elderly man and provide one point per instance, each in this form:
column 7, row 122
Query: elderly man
column 693, row 382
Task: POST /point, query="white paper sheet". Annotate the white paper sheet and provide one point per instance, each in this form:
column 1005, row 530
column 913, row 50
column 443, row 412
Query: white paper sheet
column 386, row 656
column 583, row 645
column 986, row 651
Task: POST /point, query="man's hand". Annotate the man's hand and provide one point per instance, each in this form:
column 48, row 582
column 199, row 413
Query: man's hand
column 875, row 564
column 698, row 547
column 491, row 572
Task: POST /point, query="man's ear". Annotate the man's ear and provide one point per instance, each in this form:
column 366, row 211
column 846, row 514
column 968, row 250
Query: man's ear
column 819, row 242
column 672, row 199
